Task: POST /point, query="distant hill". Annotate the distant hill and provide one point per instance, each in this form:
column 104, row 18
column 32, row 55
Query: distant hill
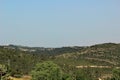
column 22, row 59
column 101, row 54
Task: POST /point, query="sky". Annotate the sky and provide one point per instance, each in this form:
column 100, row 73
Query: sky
column 57, row 23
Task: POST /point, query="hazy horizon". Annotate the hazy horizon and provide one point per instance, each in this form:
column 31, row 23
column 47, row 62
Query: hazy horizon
column 59, row 23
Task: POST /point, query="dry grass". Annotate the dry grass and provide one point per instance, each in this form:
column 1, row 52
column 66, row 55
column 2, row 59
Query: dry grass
column 22, row 78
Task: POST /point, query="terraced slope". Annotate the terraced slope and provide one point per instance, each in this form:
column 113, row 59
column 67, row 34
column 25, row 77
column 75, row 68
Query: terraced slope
column 101, row 55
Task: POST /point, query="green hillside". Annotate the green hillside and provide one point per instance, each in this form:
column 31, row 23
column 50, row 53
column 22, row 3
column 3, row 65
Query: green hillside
column 97, row 60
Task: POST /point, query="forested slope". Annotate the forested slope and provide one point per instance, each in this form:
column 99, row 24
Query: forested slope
column 21, row 60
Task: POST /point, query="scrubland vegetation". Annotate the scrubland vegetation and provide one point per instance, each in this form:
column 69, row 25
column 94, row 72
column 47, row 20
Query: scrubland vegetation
column 97, row 62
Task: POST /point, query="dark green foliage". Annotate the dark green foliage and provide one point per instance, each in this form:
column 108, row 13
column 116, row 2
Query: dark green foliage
column 46, row 71
column 84, row 74
column 3, row 72
column 67, row 77
column 116, row 74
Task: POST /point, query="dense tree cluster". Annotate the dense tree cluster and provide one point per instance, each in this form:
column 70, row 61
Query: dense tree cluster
column 47, row 71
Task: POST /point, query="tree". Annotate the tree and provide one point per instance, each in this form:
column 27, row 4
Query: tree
column 46, row 71
column 83, row 74
column 3, row 72
column 116, row 74
column 66, row 77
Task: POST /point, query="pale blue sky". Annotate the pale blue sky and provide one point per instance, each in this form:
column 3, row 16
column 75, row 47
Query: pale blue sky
column 56, row 23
